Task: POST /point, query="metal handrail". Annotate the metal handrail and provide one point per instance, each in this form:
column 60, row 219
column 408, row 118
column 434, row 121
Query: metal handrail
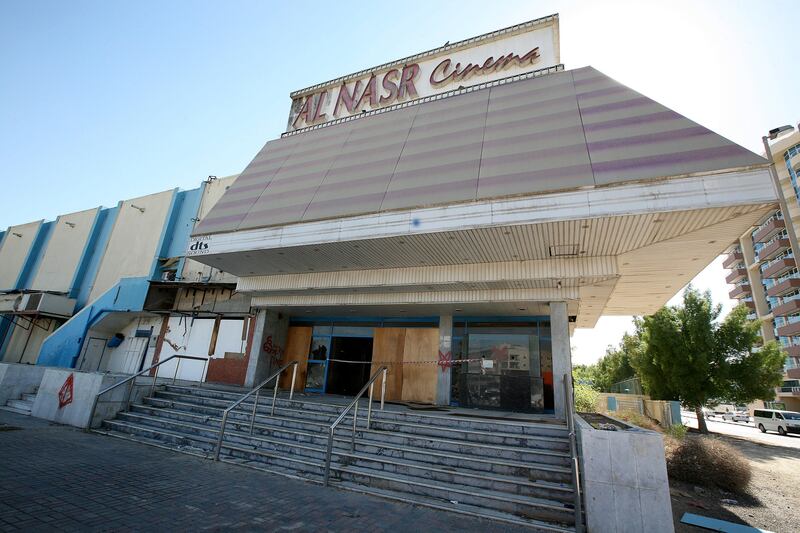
column 354, row 404
column 569, row 407
column 142, row 372
column 257, row 391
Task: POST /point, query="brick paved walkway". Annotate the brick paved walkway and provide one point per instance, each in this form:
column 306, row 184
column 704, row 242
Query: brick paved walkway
column 59, row 478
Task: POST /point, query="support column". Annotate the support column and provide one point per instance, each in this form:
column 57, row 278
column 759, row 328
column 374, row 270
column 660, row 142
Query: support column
column 562, row 357
column 272, row 326
column 443, row 373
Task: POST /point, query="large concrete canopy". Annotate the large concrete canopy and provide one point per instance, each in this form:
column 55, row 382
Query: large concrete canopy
column 567, row 186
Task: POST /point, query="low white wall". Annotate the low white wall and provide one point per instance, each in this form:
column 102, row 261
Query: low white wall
column 625, row 483
column 16, row 380
column 85, row 388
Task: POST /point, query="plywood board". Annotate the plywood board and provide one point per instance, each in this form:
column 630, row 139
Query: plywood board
column 298, row 342
column 387, row 348
column 419, row 380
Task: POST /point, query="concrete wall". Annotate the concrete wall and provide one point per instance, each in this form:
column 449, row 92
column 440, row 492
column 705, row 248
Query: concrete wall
column 133, row 246
column 16, row 380
column 14, row 252
column 85, row 389
column 64, row 251
column 625, row 483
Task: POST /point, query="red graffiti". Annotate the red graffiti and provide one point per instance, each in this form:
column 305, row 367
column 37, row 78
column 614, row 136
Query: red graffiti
column 66, row 392
column 272, row 349
column 445, row 360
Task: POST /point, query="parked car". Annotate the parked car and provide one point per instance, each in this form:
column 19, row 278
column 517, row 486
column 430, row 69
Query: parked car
column 738, row 416
column 774, row 420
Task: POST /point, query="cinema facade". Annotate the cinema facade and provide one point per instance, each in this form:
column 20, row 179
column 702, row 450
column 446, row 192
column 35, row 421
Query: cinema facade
column 456, row 214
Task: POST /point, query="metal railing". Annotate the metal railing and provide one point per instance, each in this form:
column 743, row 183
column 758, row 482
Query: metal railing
column 132, row 379
column 354, row 405
column 569, row 408
column 257, row 391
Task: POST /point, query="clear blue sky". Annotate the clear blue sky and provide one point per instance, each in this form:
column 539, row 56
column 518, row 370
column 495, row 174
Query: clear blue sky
column 102, row 101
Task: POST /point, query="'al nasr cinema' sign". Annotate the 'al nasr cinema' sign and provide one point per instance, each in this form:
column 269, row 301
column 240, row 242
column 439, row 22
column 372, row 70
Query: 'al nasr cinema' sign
column 530, row 46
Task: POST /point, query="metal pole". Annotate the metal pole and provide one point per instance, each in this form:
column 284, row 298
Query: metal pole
column 328, row 457
column 155, row 377
column 383, row 387
column 91, row 415
column 294, row 375
column 275, row 395
column 255, row 406
column 130, row 391
column 369, row 405
column 568, row 405
column 781, row 199
column 176, row 371
column 355, row 419
column 221, row 433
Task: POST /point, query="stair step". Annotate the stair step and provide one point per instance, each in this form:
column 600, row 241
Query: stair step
column 559, row 443
column 15, row 410
column 477, row 449
column 524, row 506
column 460, row 508
column 29, row 397
column 532, row 470
column 535, row 426
column 22, row 405
column 520, row 483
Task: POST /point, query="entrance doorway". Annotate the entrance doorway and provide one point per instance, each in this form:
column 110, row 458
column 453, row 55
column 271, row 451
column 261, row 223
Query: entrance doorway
column 348, row 378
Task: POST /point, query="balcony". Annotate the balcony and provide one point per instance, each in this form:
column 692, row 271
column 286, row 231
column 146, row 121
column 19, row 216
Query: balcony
column 740, row 291
column 793, row 373
column 794, row 161
column 776, row 268
column 749, row 303
column 787, row 308
column 773, row 248
column 793, row 351
column 789, row 391
column 789, row 330
column 768, row 230
column 732, row 259
column 783, row 287
column 736, row 274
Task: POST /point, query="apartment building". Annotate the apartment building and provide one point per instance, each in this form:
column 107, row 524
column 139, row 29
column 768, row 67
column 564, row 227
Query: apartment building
column 764, row 273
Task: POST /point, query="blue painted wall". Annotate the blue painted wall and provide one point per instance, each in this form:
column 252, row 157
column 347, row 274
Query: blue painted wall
column 179, row 227
column 35, row 255
column 63, row 347
column 90, row 262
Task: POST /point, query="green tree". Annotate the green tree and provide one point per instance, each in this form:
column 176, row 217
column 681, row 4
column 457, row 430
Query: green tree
column 584, row 374
column 615, row 366
column 688, row 356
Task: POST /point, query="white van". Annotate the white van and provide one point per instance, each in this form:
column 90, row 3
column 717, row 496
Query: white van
column 773, row 420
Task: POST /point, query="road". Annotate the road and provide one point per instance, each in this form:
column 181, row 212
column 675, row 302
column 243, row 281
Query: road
column 744, row 430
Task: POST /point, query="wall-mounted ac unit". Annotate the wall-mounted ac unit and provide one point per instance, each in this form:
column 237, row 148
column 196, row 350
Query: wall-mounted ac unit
column 46, row 304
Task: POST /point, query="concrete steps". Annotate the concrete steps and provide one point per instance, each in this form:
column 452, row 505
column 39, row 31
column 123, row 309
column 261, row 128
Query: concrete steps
column 507, row 471
column 23, row 405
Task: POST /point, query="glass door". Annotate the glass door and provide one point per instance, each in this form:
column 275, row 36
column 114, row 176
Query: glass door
column 317, row 370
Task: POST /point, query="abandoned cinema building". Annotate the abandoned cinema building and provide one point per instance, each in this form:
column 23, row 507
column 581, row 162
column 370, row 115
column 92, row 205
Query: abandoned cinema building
column 451, row 217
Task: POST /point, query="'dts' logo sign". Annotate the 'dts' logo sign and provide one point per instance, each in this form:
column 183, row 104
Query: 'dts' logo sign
column 198, row 248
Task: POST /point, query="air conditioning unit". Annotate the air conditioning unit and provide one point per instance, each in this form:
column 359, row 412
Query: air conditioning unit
column 46, row 304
